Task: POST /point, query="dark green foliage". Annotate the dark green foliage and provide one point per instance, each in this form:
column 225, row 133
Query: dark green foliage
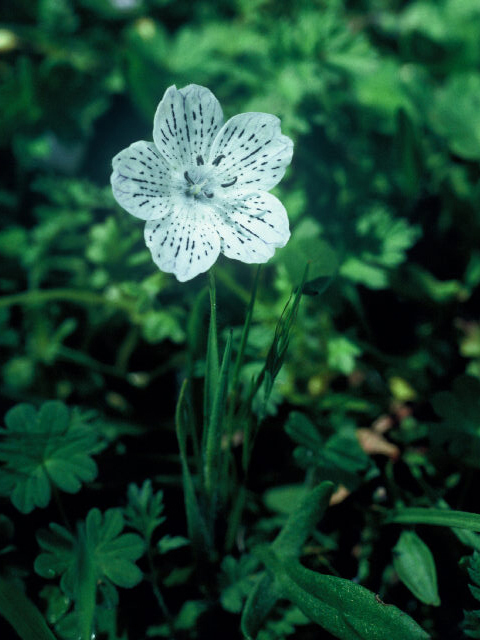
column 471, row 625
column 45, row 449
column 367, row 376
column 415, row 566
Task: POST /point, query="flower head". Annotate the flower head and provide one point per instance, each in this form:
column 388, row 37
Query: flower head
column 202, row 185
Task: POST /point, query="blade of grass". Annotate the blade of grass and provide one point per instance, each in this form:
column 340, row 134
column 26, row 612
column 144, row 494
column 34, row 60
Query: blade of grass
column 22, row 614
column 212, row 360
column 438, row 517
column 273, row 363
column 235, row 388
column 213, row 443
column 197, row 529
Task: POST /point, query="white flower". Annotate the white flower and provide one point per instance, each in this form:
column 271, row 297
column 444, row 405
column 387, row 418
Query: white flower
column 202, row 186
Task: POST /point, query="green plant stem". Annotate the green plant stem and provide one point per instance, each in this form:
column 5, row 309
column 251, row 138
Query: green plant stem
column 59, row 503
column 230, row 283
column 213, row 461
column 211, row 361
column 235, row 393
column 158, row 594
column 126, row 349
column 86, row 589
column 42, row 296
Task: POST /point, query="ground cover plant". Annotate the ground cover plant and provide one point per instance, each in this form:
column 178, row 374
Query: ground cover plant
column 277, row 436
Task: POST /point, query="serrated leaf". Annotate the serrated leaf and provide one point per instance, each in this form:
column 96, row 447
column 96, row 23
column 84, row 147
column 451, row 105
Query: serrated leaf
column 144, row 509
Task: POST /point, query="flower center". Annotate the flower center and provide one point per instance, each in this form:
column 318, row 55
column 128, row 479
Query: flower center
column 197, row 184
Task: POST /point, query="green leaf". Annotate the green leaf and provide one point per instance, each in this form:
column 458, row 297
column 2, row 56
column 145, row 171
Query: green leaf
column 144, row 509
column 459, row 430
column 259, row 603
column 197, row 528
column 111, row 553
column 236, row 581
column 437, row 517
column 307, row 245
column 454, row 114
column 302, row 431
column 415, row 566
column 302, row 521
column 471, row 623
column 51, row 447
column 212, row 360
column 380, row 245
column 170, row 543
column 279, row 629
column 345, row 609
column 21, row 613
column 57, row 603
column 215, row 424
column 285, row 499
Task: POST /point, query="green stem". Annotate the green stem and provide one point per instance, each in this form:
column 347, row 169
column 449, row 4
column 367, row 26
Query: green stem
column 126, row 349
column 229, row 282
column 158, row 594
column 211, row 361
column 87, row 587
column 214, row 428
column 233, row 400
column 41, row 296
column 58, row 502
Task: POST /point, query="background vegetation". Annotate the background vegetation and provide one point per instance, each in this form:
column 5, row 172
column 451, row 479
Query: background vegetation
column 380, row 391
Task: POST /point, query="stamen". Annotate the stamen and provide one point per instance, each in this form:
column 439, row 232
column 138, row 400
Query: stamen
column 229, row 184
column 217, row 160
column 208, row 195
column 187, row 178
column 199, row 160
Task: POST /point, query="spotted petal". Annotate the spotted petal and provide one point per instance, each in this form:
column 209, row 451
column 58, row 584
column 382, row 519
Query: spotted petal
column 142, row 181
column 252, row 227
column 251, row 153
column 183, row 243
column 185, row 125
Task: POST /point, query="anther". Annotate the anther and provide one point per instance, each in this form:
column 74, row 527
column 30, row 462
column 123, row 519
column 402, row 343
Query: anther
column 187, row 178
column 199, row 160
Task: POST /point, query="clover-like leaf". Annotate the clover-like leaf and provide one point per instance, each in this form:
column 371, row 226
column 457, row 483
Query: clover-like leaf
column 111, row 553
column 52, row 446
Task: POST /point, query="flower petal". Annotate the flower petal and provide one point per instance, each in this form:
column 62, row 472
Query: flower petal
column 184, row 243
column 185, row 125
column 251, row 228
column 142, row 181
column 251, row 152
